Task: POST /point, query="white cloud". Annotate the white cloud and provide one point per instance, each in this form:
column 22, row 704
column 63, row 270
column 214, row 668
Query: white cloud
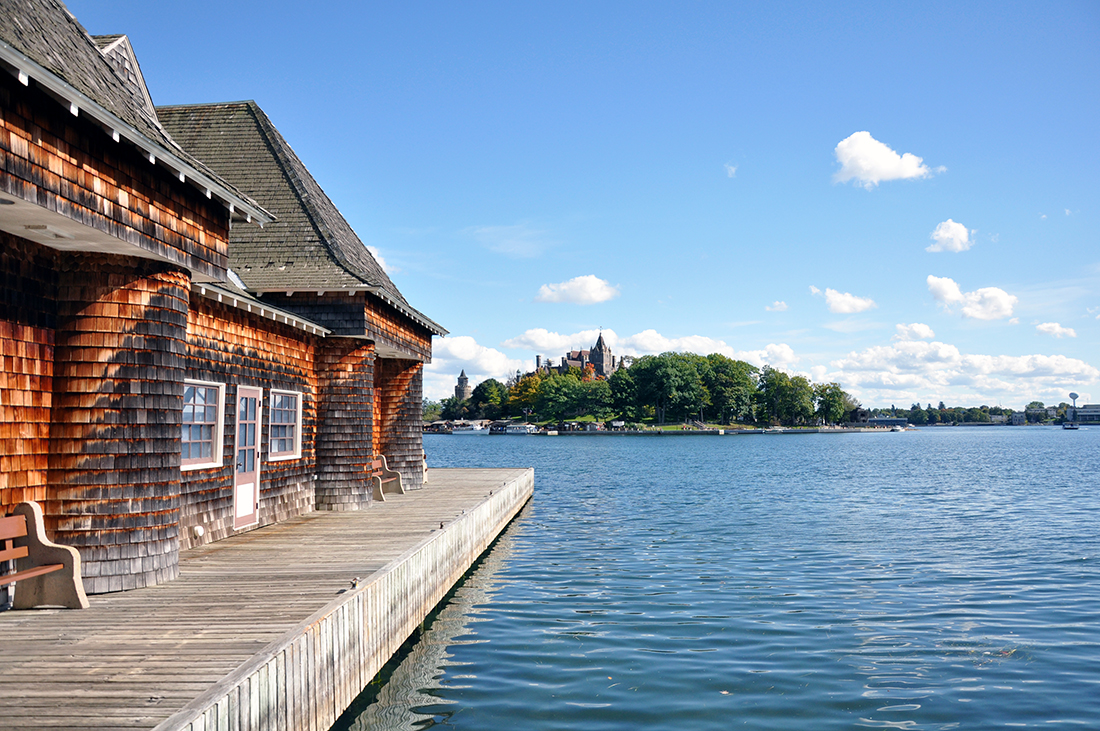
column 914, row 331
column 912, row 370
column 382, row 262
column 731, row 171
column 905, row 370
column 777, row 306
column 452, row 355
column 1053, row 328
column 987, row 303
column 1067, row 211
column 585, row 290
column 1094, row 311
column 950, row 236
column 547, row 343
column 868, row 162
column 844, row 303
column 519, row 241
column 648, row 342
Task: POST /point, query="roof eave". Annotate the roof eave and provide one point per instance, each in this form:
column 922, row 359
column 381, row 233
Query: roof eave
column 25, row 69
column 414, row 315
column 409, row 312
column 255, row 307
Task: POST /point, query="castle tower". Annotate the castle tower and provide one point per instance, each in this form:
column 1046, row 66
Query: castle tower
column 463, row 391
column 601, row 358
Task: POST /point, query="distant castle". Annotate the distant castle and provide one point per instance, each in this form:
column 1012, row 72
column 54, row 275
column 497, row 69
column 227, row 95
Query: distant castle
column 601, row 359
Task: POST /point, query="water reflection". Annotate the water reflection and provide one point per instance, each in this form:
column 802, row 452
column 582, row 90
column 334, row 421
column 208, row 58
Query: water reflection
column 407, row 700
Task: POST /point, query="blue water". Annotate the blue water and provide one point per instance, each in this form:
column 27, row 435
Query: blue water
column 936, row 579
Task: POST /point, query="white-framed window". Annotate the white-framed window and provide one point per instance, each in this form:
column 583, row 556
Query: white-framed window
column 201, row 442
column 285, row 425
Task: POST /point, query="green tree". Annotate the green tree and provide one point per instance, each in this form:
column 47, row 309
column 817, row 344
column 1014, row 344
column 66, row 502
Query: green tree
column 488, row 399
column 559, row 396
column 596, row 399
column 830, row 401
column 669, row 384
column 523, row 396
column 731, row 385
column 454, row 409
column 771, row 394
column 624, row 395
column 432, row 410
column 799, row 403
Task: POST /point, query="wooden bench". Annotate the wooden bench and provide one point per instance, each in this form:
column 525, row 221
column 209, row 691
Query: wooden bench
column 47, row 574
column 383, row 479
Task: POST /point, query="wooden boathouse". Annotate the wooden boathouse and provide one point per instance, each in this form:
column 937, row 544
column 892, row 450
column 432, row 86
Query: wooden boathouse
column 195, row 343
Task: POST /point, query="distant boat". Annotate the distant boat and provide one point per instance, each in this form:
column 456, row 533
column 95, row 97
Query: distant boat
column 475, row 429
column 897, row 427
column 521, row 429
column 1070, row 425
column 774, row 430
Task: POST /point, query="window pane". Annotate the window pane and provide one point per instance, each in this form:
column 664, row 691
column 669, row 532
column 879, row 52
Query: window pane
column 200, row 420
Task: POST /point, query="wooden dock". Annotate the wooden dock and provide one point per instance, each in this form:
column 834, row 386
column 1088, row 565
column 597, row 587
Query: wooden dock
column 260, row 631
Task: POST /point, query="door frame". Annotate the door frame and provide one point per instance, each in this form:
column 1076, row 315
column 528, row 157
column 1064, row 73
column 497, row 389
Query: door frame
column 246, row 485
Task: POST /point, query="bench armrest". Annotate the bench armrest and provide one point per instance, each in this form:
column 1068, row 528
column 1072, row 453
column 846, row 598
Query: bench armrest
column 391, row 479
column 58, row 588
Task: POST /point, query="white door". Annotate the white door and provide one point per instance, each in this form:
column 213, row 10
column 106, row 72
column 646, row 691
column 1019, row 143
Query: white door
column 246, row 471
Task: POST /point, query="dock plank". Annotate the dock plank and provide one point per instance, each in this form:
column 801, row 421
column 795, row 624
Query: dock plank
column 135, row 659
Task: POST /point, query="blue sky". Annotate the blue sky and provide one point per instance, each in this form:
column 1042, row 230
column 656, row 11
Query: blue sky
column 710, row 177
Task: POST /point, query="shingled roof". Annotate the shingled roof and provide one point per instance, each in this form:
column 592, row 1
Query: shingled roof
column 40, row 39
column 120, row 54
column 310, row 247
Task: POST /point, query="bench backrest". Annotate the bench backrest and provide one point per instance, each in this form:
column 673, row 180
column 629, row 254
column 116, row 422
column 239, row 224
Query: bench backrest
column 12, row 527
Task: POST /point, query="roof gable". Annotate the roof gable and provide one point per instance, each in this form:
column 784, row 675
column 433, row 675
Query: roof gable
column 41, row 39
column 310, row 247
column 120, row 54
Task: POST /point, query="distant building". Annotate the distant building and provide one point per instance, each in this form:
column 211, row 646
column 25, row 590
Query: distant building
column 600, row 357
column 463, row 391
column 858, row 416
column 887, row 421
column 1088, row 414
column 1019, row 418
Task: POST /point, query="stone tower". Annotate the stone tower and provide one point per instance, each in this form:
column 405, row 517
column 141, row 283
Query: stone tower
column 463, row 391
column 601, row 358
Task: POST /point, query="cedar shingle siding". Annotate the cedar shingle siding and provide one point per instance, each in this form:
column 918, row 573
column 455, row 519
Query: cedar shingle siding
column 124, row 284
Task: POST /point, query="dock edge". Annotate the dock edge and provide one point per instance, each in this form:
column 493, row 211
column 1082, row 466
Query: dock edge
column 308, row 678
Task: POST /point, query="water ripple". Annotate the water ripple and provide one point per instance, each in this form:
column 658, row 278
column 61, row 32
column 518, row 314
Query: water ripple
column 932, row 580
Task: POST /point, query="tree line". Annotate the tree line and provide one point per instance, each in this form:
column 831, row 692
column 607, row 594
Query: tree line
column 1035, row 412
column 658, row 389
